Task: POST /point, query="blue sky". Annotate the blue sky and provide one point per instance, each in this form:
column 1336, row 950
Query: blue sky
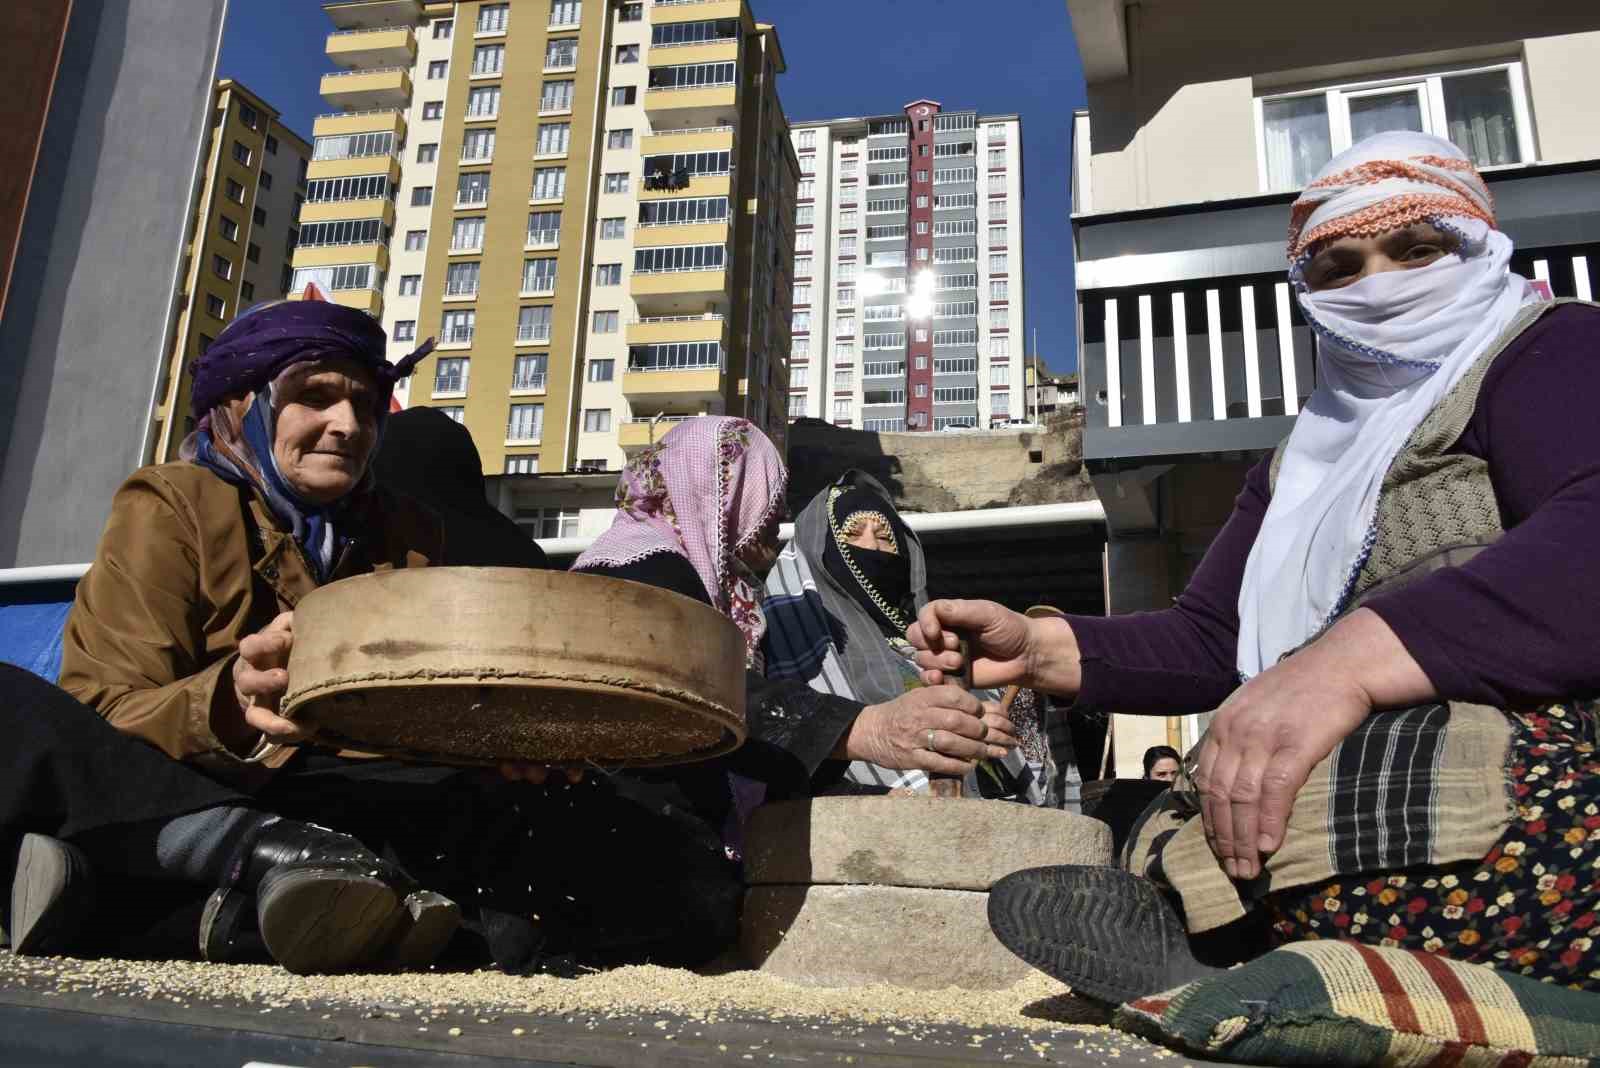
column 846, row 57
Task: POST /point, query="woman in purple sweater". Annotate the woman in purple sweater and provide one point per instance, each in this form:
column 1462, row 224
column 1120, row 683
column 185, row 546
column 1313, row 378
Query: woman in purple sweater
column 1422, row 771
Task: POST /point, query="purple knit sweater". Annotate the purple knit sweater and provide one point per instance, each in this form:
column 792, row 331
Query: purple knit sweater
column 1518, row 624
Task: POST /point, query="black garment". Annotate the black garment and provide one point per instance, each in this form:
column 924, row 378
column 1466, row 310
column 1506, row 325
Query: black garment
column 887, row 574
column 430, row 457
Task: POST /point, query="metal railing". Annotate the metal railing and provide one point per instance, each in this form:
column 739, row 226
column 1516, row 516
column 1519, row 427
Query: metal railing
column 370, row 29
column 543, row 237
column 362, row 73
column 456, row 335
column 707, row 317
column 531, row 383
column 693, row 130
column 637, row 419
column 461, row 289
column 363, row 111
column 533, row 333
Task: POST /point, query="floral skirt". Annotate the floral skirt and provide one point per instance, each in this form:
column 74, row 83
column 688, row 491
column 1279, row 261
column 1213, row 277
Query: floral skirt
column 1530, row 906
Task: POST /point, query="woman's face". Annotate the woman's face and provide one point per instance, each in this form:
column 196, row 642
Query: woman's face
column 327, row 427
column 1349, row 259
column 1165, row 769
column 873, row 533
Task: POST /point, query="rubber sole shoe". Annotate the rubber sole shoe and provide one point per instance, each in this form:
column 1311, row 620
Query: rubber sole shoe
column 1107, row 934
column 428, row 922
column 318, row 920
column 52, row 897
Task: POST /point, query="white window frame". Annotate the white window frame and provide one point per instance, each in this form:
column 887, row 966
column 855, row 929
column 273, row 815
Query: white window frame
column 1429, row 85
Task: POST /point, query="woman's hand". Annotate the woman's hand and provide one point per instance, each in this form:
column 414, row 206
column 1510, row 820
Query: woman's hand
column 1267, row 736
column 261, row 676
column 1007, row 648
column 941, row 729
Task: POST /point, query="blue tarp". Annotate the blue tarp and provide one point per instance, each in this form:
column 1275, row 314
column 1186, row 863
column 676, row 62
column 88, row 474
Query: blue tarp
column 32, row 618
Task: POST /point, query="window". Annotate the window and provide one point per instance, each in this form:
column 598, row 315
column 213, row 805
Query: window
column 998, row 210
column 549, row 183
column 228, row 228
column 215, row 306
column 221, row 266
column 405, row 330
column 804, row 215
column 522, row 465
column 955, row 228
column 804, row 242
column 544, row 227
column 922, row 176
column 272, row 145
column 808, row 165
column 410, row 285
column 616, row 182
column 601, row 370
column 886, row 178
column 631, row 12
column 847, row 221
column 550, row 522
column 241, row 153
column 450, row 375
column 526, row 422
column 416, row 240
column 1000, row 374
column 477, row 144
column 438, row 68
column 1000, row 348
column 421, row 196
column 346, row 276
column 1000, row 404
column 844, row 378
column 675, row 356
column 628, row 53
column 488, row 59
column 845, row 324
column 608, row 274
column 461, row 280
column 483, row 102
column 797, row 405
column 619, row 138
column 701, row 32
column 442, row 28
column 997, row 159
column 492, row 18
column 846, row 296
column 678, row 258
column 1000, row 289
column 997, row 237
column 458, row 327
column 802, row 294
column 553, row 138
column 805, row 190
column 943, row 338
column 693, row 75
column 539, row 275
column 596, row 420
column 800, row 322
column 561, row 52
column 533, row 324
column 428, row 152
column 847, row 245
column 841, row 409
column 997, row 185
column 799, row 377
column 528, row 373
column 433, row 109
column 466, row 235
column 252, row 252
column 1483, row 111
column 955, row 394
column 566, row 12
column 999, row 318
column 233, row 191
column 802, row 266
column 266, row 179
column 454, row 411
column 997, row 263
column 612, row 229
column 259, row 215
column 955, row 174
column 622, row 95
column 556, row 96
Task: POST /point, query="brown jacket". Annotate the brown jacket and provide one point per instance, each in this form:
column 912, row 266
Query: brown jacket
column 188, row 565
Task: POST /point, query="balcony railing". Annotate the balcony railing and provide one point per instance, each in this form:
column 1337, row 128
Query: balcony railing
column 533, row 333
column 363, row 111
column 529, row 383
column 707, row 317
column 456, row 335
column 465, row 246
column 370, row 29
column 449, row 384
column 461, row 289
column 640, row 365
column 365, row 74
column 543, row 237
column 658, row 419
column 538, row 287
column 471, row 200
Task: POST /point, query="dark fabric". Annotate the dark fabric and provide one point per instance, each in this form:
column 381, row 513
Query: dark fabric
column 1529, row 906
column 67, row 773
column 889, row 574
column 430, row 458
column 667, row 571
column 253, row 348
column 1512, row 627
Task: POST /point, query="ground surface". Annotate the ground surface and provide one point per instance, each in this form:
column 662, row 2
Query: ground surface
column 57, row 1011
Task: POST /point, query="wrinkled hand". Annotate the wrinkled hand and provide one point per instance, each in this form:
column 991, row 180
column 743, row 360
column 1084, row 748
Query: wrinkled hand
column 1002, row 646
column 261, row 676
column 964, row 730
column 1261, row 747
column 520, row 771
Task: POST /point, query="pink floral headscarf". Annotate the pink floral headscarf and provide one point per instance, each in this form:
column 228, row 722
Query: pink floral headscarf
column 705, row 491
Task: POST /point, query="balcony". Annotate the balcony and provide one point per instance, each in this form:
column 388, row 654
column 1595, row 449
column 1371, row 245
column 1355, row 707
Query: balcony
column 353, row 166
column 370, row 14
column 373, row 120
column 689, row 139
column 666, row 329
column 527, row 384
column 654, row 389
column 329, row 210
column 533, row 335
column 706, row 233
column 678, row 292
column 394, row 46
column 664, row 11
column 700, row 185
column 706, row 105
column 643, row 431
column 456, row 337
column 538, row 239
column 362, row 89
column 367, row 300
column 463, row 290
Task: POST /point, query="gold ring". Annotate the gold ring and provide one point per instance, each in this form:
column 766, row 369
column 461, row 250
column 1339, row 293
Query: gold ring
column 931, row 749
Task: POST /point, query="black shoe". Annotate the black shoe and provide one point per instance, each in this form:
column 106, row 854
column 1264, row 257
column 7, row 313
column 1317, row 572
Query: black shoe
column 228, row 933
column 327, row 903
column 1104, row 932
column 52, row 897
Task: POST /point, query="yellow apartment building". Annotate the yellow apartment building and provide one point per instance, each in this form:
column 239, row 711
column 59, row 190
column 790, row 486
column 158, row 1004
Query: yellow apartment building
column 243, row 233
column 590, row 206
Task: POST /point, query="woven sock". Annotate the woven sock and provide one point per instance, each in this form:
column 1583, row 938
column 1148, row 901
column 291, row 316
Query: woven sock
column 197, row 847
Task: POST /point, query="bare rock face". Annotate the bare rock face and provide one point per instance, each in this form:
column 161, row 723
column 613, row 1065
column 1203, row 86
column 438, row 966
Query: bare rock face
column 921, row 842
column 856, row 935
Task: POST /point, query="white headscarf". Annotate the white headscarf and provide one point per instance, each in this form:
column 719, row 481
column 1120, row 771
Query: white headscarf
column 1390, row 347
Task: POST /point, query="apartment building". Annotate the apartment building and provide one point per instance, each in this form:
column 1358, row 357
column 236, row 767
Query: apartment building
column 908, row 290
column 1204, row 120
column 588, row 203
column 245, row 226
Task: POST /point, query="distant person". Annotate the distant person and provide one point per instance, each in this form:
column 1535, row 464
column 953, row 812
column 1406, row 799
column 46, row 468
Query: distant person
column 1162, row 762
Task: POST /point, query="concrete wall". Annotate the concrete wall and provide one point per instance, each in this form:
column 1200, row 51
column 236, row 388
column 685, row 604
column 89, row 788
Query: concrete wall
column 92, row 300
column 1180, row 128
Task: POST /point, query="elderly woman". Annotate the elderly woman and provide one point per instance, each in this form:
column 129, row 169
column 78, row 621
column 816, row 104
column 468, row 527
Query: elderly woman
column 1406, row 590
column 699, row 514
column 838, row 603
column 181, row 630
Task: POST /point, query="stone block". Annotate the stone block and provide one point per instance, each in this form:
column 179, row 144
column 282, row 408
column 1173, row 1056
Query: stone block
column 856, row 935
column 923, row 842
